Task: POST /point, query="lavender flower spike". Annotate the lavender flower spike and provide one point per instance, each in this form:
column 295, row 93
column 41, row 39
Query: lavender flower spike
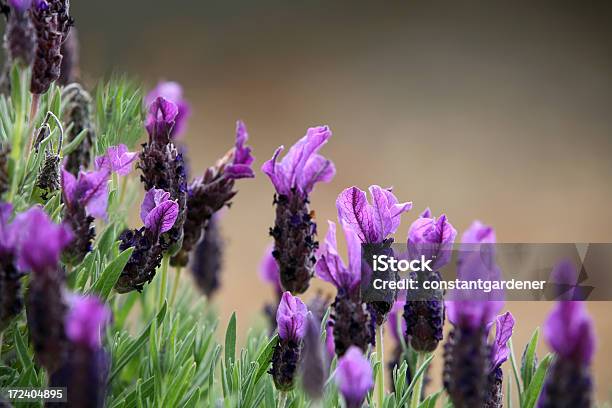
column 85, row 371
column 294, row 231
column 20, row 35
column 354, row 377
column 117, row 159
column 78, row 112
column 159, row 214
column 173, row 92
column 207, row 261
column 432, row 238
column 85, row 198
column 40, row 243
column 11, row 301
column 351, row 320
column 213, row 191
column 569, row 332
column 291, row 320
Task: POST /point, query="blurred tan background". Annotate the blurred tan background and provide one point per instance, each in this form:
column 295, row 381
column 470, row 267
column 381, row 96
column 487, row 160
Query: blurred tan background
column 489, row 110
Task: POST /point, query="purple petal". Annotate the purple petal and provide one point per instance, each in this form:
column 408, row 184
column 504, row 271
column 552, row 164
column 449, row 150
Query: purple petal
column 161, row 119
column 40, row 241
column 268, row 269
column 158, row 212
column 92, row 192
column 317, row 170
column 291, row 317
column 117, row 159
column 503, row 331
column 330, row 266
column 271, row 169
column 330, row 344
column 394, row 315
column 173, row 92
column 152, row 199
column 86, row 320
column 354, row 376
column 569, row 332
column 20, row 5
column 432, row 239
column 242, row 158
column 68, row 185
column 7, row 231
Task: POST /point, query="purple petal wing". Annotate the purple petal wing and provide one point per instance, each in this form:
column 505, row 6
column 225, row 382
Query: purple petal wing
column 68, row 185
column 503, row 331
column 354, row 211
column 94, row 192
column 317, row 170
column 161, row 218
column 291, row 317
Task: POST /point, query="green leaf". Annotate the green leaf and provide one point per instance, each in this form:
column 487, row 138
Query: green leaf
column 104, row 285
column 528, row 362
column 533, row 391
column 430, row 401
column 230, row 342
column 74, row 143
column 417, row 375
column 264, row 358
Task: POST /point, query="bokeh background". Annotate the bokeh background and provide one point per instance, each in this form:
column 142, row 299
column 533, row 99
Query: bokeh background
column 490, row 110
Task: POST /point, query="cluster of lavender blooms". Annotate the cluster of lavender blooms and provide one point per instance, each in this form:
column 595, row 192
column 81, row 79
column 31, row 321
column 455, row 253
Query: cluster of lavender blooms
column 472, row 374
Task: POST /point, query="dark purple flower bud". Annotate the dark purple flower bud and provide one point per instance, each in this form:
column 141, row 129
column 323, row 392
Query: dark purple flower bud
column 20, row 35
column 70, row 71
column 213, row 191
column 173, row 92
column 294, row 232
column 207, row 259
column 374, row 222
column 569, row 332
column 163, row 166
column 117, row 159
column 313, row 367
column 354, row 377
column 11, row 301
column 78, row 112
column 291, row 322
column 5, row 152
column 85, row 198
column 353, row 323
column 432, row 238
column 48, row 180
column 85, row 371
column 143, row 262
column 52, row 23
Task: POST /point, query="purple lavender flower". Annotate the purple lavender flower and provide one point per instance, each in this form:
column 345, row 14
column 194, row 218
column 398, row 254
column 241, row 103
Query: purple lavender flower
column 374, row 222
column 52, row 23
column 499, row 354
column 20, row 35
column 213, row 191
column 163, row 166
column 352, row 322
column 159, row 214
column 40, row 244
column 291, row 318
column 569, row 332
column 117, row 159
column 85, row 198
column 207, row 259
column 78, row 112
column 354, row 377
column 467, row 356
column 313, row 368
column 424, row 310
column 173, row 92
column 85, row 371
column 294, row 231
column 11, row 301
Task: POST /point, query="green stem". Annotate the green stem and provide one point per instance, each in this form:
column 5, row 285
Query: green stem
column 175, row 285
column 282, row 399
column 123, row 188
column 164, row 281
column 415, row 399
column 380, row 376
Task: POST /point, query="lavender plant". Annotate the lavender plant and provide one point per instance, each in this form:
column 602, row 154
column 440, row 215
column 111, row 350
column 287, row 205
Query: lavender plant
column 101, row 318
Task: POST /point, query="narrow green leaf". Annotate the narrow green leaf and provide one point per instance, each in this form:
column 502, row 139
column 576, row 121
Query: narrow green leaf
column 264, row 358
column 533, row 391
column 417, row 375
column 104, row 285
column 528, row 362
column 230, row 342
column 74, row 143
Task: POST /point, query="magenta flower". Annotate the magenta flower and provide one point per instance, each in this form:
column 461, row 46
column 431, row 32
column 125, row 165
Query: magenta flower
column 291, row 318
column 86, row 320
column 569, row 332
column 354, row 377
column 374, row 222
column 302, row 167
column 240, row 165
column 331, row 268
column 117, row 159
column 40, row 241
column 10, row 278
column 173, row 92
column 89, row 190
column 394, row 315
column 20, row 5
column 268, row 269
column 158, row 212
column 432, row 238
column 161, row 120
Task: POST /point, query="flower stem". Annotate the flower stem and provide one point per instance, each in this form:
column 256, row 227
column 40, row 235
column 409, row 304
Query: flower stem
column 282, row 399
column 164, row 281
column 175, row 285
column 380, row 376
column 415, row 399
